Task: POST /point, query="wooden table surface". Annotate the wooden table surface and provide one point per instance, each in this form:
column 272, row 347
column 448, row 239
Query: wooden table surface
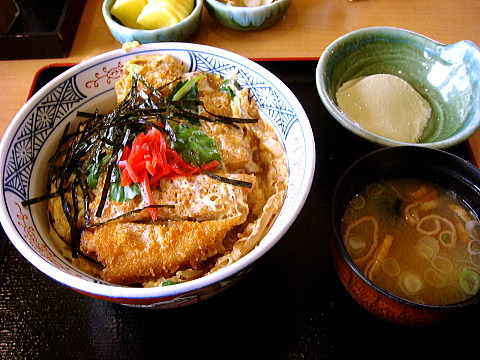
column 307, row 29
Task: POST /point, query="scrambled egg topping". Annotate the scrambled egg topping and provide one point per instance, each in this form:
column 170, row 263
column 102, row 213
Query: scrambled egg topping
column 210, row 224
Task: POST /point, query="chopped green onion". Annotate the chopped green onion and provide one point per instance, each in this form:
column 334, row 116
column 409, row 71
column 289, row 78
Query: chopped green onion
column 470, row 282
column 185, row 88
column 170, row 282
column 230, row 86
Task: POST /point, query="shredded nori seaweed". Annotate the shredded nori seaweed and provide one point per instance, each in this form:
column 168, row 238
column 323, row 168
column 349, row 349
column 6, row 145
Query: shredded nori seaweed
column 99, row 136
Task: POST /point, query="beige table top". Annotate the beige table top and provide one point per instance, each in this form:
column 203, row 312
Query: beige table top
column 307, row 29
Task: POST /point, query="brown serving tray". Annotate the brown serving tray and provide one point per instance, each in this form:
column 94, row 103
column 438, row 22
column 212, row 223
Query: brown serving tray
column 43, row 29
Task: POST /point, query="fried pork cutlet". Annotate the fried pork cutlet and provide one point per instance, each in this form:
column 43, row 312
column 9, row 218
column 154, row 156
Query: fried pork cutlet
column 133, row 252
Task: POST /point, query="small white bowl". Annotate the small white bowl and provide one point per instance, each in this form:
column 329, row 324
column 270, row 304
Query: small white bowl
column 181, row 31
column 33, row 135
column 247, row 18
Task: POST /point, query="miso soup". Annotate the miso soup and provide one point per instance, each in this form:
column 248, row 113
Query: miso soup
column 415, row 239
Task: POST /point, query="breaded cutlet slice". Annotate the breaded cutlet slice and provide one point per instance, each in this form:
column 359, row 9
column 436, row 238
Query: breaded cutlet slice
column 135, row 253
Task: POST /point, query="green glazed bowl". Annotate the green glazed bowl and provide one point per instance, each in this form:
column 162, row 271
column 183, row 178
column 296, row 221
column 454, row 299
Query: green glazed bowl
column 181, row 31
column 247, row 18
column 447, row 76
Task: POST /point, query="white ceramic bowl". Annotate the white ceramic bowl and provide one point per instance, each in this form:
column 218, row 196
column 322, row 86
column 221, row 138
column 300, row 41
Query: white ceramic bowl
column 32, row 136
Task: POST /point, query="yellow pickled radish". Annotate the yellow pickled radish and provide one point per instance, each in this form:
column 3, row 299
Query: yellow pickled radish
column 161, row 13
column 127, row 12
column 155, row 16
column 182, row 8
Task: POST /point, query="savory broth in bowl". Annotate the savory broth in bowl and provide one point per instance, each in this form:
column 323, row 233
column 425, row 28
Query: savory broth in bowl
column 415, row 239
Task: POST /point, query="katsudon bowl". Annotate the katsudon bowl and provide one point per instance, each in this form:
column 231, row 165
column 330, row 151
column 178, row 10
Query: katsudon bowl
column 34, row 133
column 446, row 76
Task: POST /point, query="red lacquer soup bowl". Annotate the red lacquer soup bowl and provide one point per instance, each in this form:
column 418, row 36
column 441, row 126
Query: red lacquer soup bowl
column 428, row 164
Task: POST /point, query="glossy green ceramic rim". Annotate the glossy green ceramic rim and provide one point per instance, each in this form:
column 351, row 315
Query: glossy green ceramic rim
column 421, row 62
